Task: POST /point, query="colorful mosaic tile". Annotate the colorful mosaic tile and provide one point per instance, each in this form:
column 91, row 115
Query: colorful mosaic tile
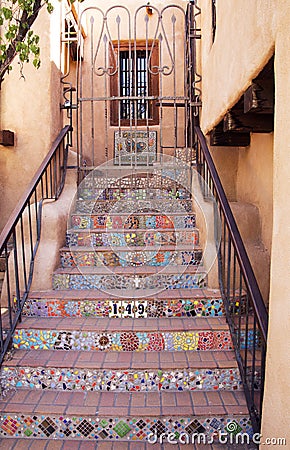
column 127, row 308
column 122, row 341
column 90, row 191
column 122, row 282
column 253, row 339
column 154, row 181
column 124, row 258
column 96, row 207
column 135, row 221
column 118, row 428
column 138, row 146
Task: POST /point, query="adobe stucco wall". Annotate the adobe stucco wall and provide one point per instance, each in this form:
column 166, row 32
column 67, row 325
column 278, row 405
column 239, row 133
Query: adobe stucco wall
column 247, row 34
column 255, row 180
column 245, row 37
column 30, row 107
column 276, row 403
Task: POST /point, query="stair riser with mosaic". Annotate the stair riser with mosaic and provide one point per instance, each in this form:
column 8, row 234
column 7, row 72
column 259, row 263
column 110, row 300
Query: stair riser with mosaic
column 94, row 193
column 122, row 341
column 124, row 308
column 125, row 258
column 120, row 283
column 96, row 207
column 131, row 238
column 156, row 181
column 132, row 221
column 136, row 429
column 72, row 379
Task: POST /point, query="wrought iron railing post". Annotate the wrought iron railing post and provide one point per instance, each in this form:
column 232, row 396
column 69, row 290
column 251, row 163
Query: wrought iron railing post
column 22, row 232
column 246, row 311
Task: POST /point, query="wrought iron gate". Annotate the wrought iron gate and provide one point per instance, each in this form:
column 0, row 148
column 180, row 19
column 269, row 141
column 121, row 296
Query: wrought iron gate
column 135, row 86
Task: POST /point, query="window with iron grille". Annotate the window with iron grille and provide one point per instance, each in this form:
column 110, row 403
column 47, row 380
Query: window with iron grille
column 136, row 79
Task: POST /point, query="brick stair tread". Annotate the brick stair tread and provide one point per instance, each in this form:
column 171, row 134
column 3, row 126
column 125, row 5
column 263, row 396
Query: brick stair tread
column 131, row 270
column 148, row 248
column 104, row 324
column 118, row 404
column 69, row 444
column 139, row 294
column 164, row 360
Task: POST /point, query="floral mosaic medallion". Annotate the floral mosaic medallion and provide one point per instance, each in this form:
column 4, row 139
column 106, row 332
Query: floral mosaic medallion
column 122, row 341
column 102, row 429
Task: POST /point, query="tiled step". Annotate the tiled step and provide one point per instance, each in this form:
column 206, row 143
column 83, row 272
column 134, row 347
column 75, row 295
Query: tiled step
column 110, row 404
column 108, row 206
column 128, row 221
column 165, row 360
column 183, row 303
column 91, row 191
column 126, row 257
column 35, row 369
column 153, row 178
column 60, row 444
column 121, row 335
column 132, row 238
column 108, row 416
column 116, row 280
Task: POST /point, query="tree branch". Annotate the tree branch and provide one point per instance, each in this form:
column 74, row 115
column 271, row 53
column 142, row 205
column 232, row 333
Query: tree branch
column 25, row 23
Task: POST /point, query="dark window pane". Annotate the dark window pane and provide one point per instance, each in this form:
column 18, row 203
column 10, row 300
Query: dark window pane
column 134, row 81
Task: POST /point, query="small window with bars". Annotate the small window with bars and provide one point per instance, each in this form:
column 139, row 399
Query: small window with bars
column 135, row 83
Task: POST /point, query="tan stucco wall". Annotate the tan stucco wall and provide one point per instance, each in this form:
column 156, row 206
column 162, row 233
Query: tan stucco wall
column 255, row 180
column 276, row 403
column 247, row 34
column 226, row 160
column 244, row 41
column 30, row 108
column 54, row 224
column 246, row 175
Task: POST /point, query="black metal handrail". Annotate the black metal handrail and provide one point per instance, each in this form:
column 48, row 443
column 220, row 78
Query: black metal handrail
column 246, row 312
column 20, row 237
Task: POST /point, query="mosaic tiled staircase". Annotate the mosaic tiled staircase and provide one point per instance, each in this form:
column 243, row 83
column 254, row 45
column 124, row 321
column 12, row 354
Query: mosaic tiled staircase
column 130, row 343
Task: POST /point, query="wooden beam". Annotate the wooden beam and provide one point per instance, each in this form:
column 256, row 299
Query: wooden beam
column 239, row 122
column 228, row 139
column 259, row 97
column 7, row 138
